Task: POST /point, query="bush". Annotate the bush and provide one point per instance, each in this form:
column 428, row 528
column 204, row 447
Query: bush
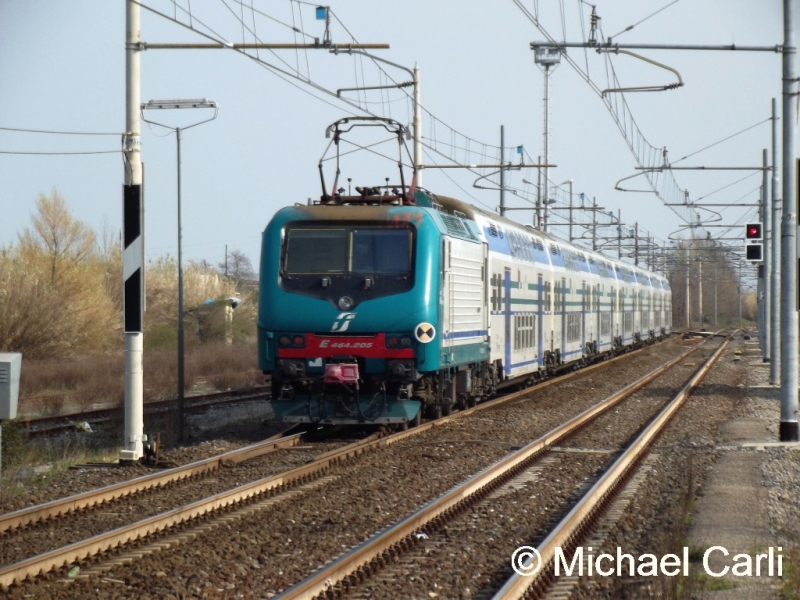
column 15, row 444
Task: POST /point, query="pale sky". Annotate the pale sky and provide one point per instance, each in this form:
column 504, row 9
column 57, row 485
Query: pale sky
column 63, row 69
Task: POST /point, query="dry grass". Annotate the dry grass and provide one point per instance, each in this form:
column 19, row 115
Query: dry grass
column 51, row 387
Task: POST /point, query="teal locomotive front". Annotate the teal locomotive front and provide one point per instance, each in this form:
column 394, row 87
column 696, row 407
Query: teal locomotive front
column 349, row 312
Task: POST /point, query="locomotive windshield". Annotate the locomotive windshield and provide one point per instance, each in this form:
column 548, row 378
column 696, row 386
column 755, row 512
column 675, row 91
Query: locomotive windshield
column 358, row 250
column 316, row 251
column 380, row 251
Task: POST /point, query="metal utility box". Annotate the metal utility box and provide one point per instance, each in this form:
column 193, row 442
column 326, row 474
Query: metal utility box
column 10, row 365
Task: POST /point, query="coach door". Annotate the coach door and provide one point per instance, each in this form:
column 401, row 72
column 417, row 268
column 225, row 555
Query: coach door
column 562, row 299
column 540, row 320
column 614, row 323
column 507, row 318
column 585, row 307
column 597, row 301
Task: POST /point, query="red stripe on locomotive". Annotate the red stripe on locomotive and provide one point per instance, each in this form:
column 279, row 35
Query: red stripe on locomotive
column 329, row 346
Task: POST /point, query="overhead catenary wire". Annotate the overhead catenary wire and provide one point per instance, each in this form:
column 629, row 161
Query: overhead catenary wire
column 47, row 153
column 288, row 72
column 725, row 139
column 278, row 71
column 362, row 102
column 53, row 132
column 725, row 187
column 664, row 185
column 629, row 27
column 445, row 141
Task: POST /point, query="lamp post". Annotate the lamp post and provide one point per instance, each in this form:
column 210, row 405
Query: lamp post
column 715, row 294
column 569, row 181
column 546, row 57
column 741, row 264
column 700, row 293
column 173, row 105
column 688, row 297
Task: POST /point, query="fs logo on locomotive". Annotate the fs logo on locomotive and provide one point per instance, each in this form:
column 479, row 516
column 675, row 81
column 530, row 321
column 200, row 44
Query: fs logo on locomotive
column 342, row 322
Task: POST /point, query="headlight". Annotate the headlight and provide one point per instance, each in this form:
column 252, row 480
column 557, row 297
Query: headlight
column 345, row 303
column 285, row 341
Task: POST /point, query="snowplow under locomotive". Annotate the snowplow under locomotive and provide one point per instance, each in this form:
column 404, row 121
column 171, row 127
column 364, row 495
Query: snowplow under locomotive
column 378, row 306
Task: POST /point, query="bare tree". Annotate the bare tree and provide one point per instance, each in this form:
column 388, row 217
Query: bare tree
column 238, row 268
column 52, row 298
column 64, row 240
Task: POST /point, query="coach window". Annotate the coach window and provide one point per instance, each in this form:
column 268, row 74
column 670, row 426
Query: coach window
column 558, row 297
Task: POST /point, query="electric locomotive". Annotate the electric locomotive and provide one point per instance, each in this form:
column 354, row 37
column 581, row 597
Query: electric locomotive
column 378, row 306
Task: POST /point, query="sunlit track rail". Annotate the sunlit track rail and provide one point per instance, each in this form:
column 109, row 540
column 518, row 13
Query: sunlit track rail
column 34, row 514
column 359, row 563
column 583, row 516
column 248, row 492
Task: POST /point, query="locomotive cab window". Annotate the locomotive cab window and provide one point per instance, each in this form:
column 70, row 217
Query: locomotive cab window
column 315, row 251
column 380, row 251
column 344, row 250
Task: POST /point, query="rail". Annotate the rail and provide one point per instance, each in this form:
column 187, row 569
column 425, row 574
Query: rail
column 567, row 532
column 99, row 496
column 178, row 517
column 374, row 551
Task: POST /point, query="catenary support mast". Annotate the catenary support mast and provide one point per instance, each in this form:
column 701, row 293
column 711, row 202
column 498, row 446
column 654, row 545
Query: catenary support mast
column 789, row 257
column 775, row 296
column 133, row 244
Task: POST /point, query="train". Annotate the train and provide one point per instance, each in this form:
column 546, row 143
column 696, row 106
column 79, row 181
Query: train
column 394, row 303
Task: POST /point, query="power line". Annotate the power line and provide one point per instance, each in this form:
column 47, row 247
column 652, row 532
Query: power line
column 56, row 132
column 664, row 185
column 767, row 120
column 629, row 27
column 60, row 153
column 362, row 103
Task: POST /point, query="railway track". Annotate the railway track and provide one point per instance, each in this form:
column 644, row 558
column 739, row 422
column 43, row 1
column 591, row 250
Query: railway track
column 359, row 572
column 228, row 505
column 45, row 426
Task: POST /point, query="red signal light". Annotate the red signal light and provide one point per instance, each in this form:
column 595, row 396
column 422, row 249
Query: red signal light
column 752, row 231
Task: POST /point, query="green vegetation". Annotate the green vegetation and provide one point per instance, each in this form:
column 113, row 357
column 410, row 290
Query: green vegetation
column 706, row 583
column 791, row 574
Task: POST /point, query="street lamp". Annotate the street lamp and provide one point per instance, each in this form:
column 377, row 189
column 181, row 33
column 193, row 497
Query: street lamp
column 172, row 105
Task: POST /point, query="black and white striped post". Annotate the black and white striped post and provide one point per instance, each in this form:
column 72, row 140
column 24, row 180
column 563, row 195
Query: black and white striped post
column 133, row 245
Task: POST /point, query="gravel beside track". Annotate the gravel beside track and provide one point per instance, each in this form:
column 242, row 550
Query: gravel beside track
column 39, row 489
column 264, row 553
column 657, row 521
column 40, row 538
